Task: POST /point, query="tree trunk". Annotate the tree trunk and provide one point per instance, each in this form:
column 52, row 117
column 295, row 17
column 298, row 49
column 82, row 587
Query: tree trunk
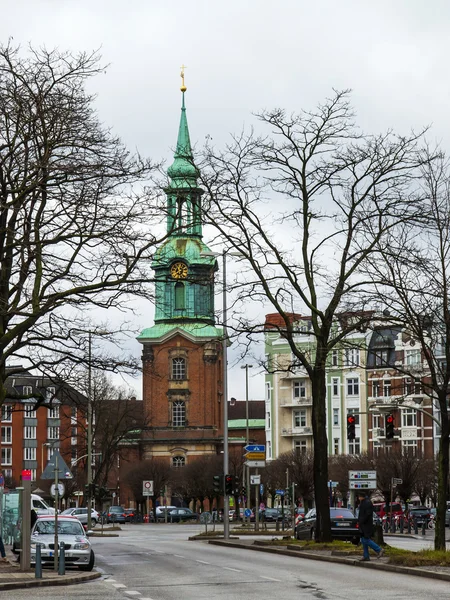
column 443, row 466
column 321, row 492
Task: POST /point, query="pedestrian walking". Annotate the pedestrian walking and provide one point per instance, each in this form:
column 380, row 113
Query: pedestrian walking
column 2, row 551
column 365, row 522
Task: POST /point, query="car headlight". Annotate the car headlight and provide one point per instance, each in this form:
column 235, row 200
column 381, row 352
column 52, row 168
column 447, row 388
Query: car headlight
column 84, row 546
column 33, row 545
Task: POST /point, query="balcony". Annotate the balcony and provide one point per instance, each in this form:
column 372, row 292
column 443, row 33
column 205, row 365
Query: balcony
column 291, row 402
column 295, row 431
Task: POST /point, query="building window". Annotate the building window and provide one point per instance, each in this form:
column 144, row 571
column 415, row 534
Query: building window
column 268, row 420
column 354, row 446
column 300, row 446
column 377, row 422
column 29, row 453
column 73, row 431
column 50, row 452
column 27, row 390
column 336, row 446
column 375, row 388
column 180, row 303
column 299, row 389
column 73, row 453
column 334, row 358
column 30, row 411
column 29, row 433
column 6, row 456
column 335, row 386
column 50, row 393
column 412, row 357
column 355, row 412
column 53, row 413
column 6, row 435
column 7, row 473
column 335, row 416
column 353, row 387
column 268, row 391
column 409, row 417
column 299, row 418
column 179, row 414
column 52, row 433
column 178, row 461
column 386, row 387
column 269, row 449
column 33, row 474
column 6, row 413
column 381, row 358
column 73, row 412
column 351, row 357
column 409, row 447
column 178, row 368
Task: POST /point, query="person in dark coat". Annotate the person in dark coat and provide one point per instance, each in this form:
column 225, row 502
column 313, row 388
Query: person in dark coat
column 365, row 522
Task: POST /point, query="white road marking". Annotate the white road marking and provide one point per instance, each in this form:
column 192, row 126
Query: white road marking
column 119, row 586
column 111, row 580
column 203, row 562
column 270, row 578
column 230, row 569
column 180, row 556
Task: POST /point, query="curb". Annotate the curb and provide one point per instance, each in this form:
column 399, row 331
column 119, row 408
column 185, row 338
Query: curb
column 32, row 583
column 343, row 561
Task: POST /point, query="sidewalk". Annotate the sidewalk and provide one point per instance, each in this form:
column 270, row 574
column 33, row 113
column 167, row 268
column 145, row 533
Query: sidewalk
column 436, row 572
column 12, row 578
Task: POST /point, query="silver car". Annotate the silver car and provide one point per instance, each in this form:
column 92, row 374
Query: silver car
column 78, row 550
column 82, row 515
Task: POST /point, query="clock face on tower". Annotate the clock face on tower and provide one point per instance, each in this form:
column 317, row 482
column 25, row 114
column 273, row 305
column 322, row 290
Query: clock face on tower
column 179, row 270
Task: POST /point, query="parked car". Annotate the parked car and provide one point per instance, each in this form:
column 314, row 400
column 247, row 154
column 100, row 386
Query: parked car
column 272, row 515
column 344, row 525
column 420, row 514
column 131, row 514
column 40, row 506
column 178, row 515
column 161, row 512
column 82, row 515
column 383, row 508
column 115, row 514
column 78, row 548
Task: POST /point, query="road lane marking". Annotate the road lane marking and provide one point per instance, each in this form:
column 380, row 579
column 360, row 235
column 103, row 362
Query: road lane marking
column 203, row 562
column 111, row 580
column 180, row 556
column 270, row 578
column 119, row 586
column 230, row 569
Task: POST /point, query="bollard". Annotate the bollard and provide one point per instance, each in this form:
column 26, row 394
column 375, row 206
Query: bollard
column 392, row 526
column 400, row 525
column 424, row 526
column 409, row 525
column 416, row 527
column 38, row 565
column 62, row 559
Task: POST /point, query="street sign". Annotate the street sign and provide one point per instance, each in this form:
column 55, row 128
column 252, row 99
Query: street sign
column 397, row 481
column 63, row 469
column 362, row 475
column 333, row 484
column 147, row 488
column 371, row 484
column 255, row 479
column 255, row 448
column 261, row 489
column 255, row 463
column 279, row 492
column 61, row 490
column 255, row 456
column 248, row 512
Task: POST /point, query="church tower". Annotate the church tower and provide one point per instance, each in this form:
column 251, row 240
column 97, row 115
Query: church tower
column 182, row 366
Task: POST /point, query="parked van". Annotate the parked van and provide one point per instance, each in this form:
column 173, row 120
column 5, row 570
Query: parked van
column 40, row 506
column 383, row 508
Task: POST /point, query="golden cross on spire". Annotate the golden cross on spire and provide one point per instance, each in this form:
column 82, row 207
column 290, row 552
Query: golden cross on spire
column 183, row 88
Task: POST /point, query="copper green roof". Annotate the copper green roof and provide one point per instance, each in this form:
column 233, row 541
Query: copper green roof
column 195, row 330
column 183, row 172
column 242, row 423
column 190, row 249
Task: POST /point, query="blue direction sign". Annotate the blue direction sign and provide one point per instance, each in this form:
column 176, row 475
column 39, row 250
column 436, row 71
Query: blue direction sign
column 255, row 448
column 279, row 492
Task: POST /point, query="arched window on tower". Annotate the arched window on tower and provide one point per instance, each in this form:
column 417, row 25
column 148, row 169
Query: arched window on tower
column 178, row 461
column 180, row 301
column 178, row 368
column 178, row 414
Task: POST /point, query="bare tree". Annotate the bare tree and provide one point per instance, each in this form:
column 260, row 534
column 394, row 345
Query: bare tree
column 412, row 272
column 76, row 222
column 404, row 465
column 340, row 465
column 156, row 470
column 305, row 207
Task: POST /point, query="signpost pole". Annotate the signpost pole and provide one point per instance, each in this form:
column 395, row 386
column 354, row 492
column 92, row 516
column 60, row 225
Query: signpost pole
column 257, row 505
column 55, row 564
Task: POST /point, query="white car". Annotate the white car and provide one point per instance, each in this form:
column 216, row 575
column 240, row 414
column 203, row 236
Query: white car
column 82, row 515
column 78, row 550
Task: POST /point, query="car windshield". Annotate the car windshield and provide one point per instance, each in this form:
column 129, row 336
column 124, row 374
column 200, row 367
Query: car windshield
column 116, row 509
column 68, row 511
column 64, row 527
column 341, row 513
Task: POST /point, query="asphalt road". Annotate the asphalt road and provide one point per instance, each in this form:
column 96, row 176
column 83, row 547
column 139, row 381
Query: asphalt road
column 157, row 562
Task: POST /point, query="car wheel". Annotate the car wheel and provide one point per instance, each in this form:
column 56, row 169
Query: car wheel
column 311, row 533
column 90, row 564
column 93, row 522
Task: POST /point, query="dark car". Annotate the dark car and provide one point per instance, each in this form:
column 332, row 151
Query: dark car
column 178, row 515
column 344, row 525
column 115, row 514
column 420, row 515
column 271, row 515
column 131, row 515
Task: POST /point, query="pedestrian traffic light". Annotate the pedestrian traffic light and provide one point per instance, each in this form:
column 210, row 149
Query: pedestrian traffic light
column 351, row 422
column 229, row 485
column 389, row 427
column 237, row 481
column 218, row 487
column 243, row 491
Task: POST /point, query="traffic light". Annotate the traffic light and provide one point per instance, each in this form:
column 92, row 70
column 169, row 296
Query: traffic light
column 351, row 422
column 229, row 485
column 243, row 491
column 218, row 487
column 389, row 427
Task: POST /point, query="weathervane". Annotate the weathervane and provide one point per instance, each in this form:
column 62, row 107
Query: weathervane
column 183, row 88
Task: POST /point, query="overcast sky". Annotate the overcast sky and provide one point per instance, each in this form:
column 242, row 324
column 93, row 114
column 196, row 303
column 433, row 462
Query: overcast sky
column 243, row 56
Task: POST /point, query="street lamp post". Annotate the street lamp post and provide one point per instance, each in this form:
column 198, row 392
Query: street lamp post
column 89, row 433
column 226, row 510
column 247, row 435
